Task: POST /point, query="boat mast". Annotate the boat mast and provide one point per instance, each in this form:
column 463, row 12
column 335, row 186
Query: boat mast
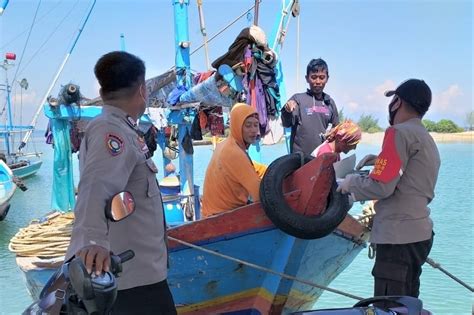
column 56, row 77
column 3, row 5
column 183, row 117
column 9, row 122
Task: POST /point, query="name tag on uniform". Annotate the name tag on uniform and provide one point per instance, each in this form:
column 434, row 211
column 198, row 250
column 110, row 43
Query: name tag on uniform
column 142, row 144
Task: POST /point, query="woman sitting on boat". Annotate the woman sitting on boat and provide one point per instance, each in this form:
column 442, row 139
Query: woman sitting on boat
column 342, row 138
column 232, row 179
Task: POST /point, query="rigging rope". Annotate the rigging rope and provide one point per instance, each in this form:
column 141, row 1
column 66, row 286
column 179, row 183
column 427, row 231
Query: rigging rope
column 26, row 43
column 202, row 24
column 220, row 32
column 254, row 266
column 49, row 37
column 26, row 29
column 436, row 265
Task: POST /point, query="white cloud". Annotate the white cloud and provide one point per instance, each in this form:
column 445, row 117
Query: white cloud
column 353, row 106
column 446, row 100
column 27, row 98
column 378, row 92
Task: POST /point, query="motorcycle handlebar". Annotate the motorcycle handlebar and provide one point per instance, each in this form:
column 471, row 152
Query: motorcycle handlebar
column 118, row 260
column 126, row 255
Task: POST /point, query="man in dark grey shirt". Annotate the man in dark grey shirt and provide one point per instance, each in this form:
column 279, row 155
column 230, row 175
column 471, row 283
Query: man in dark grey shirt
column 114, row 158
column 309, row 114
column 403, row 181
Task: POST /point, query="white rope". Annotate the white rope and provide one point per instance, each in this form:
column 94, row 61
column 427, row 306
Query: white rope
column 202, row 24
column 251, row 265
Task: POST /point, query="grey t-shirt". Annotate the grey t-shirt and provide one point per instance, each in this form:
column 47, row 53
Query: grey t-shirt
column 309, row 120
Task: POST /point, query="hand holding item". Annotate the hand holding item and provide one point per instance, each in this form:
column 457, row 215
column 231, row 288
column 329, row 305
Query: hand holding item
column 290, row 106
column 95, row 256
column 344, row 185
column 368, row 160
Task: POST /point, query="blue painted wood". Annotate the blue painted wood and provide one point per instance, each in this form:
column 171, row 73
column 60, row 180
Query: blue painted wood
column 30, row 169
column 7, row 188
column 319, row 261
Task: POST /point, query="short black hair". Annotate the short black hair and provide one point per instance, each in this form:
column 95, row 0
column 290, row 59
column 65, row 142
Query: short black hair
column 317, row 64
column 119, row 70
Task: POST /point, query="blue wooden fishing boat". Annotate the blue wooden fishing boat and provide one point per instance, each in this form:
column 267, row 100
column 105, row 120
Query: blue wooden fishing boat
column 7, row 189
column 245, row 261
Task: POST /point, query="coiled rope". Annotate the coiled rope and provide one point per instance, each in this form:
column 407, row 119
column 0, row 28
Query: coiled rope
column 45, row 238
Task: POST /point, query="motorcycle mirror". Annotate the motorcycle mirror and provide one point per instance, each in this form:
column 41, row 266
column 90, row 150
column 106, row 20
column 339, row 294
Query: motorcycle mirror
column 120, row 206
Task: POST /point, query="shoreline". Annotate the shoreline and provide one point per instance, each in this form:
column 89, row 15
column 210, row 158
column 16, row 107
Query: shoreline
column 458, row 137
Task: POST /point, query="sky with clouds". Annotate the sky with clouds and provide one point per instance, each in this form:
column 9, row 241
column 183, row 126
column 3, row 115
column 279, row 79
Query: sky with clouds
column 371, row 46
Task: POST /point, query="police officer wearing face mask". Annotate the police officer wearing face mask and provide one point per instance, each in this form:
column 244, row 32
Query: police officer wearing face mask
column 113, row 158
column 403, row 181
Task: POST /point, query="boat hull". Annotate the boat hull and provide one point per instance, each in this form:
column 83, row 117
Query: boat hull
column 202, row 283
column 30, row 169
column 7, row 189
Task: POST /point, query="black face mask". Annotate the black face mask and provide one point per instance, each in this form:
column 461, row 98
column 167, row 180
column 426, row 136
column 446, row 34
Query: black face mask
column 391, row 114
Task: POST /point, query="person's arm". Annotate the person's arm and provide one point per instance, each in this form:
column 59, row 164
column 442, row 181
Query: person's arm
column 388, row 169
column 289, row 113
column 242, row 171
column 108, row 164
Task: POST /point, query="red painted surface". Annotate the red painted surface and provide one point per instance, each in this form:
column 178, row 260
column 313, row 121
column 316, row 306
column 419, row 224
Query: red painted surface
column 314, row 179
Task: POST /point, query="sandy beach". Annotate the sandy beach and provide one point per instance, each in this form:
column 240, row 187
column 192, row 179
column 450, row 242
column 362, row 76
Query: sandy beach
column 460, row 137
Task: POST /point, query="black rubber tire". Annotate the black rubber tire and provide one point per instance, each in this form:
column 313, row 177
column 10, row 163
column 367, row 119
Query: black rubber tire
column 283, row 216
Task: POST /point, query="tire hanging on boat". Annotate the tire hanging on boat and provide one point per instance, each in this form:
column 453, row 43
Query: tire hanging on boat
column 284, row 217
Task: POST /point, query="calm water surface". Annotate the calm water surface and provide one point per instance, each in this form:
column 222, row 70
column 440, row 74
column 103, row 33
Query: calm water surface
column 452, row 212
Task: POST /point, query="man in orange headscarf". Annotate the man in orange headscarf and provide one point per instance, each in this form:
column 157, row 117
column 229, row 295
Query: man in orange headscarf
column 342, row 138
column 231, row 179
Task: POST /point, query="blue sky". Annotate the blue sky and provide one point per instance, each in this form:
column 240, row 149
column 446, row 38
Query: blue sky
column 370, row 46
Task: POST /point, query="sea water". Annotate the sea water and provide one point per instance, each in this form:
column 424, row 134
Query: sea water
column 452, row 213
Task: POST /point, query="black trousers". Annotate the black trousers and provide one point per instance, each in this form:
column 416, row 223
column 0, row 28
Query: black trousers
column 153, row 299
column 397, row 268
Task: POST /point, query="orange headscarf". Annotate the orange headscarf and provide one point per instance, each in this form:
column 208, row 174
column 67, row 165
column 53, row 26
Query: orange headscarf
column 347, row 131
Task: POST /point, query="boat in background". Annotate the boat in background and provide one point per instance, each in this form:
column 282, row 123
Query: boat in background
column 22, row 164
column 7, row 189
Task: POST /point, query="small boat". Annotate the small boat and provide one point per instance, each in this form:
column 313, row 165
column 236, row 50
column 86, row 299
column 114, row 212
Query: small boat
column 7, row 189
column 25, row 167
column 23, row 164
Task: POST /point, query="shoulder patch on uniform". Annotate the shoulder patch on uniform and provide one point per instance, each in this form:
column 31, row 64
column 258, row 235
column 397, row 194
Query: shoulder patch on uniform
column 388, row 165
column 115, row 144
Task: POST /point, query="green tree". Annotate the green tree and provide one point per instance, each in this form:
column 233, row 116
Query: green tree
column 429, row 125
column 341, row 115
column 367, row 123
column 447, row 126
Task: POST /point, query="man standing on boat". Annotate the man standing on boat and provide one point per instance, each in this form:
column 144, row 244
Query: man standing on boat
column 114, row 158
column 309, row 114
column 403, row 181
